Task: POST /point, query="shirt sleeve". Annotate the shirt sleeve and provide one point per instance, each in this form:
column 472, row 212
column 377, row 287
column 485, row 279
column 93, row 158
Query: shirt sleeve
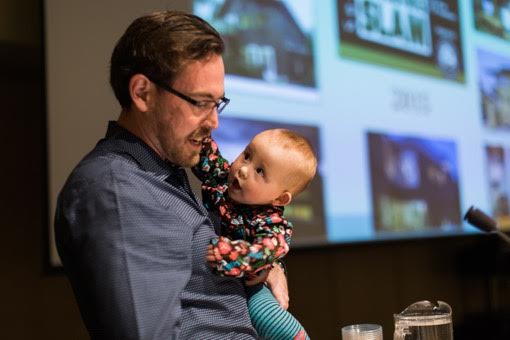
column 127, row 256
column 239, row 258
column 212, row 169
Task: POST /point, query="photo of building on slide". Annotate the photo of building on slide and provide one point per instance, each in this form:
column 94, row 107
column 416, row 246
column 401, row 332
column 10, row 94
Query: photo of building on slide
column 414, row 183
column 494, row 83
column 266, row 40
column 493, row 17
column 306, row 211
column 420, row 36
column 498, row 170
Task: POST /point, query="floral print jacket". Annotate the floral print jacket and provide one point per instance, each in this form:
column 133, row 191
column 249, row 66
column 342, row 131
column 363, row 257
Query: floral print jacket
column 252, row 237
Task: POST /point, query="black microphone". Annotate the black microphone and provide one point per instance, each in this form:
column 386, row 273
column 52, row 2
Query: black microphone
column 484, row 222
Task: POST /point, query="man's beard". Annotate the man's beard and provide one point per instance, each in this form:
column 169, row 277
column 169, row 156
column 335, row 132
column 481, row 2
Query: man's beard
column 181, row 157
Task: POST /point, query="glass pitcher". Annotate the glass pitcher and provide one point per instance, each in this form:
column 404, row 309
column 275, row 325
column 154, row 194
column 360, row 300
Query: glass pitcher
column 424, row 320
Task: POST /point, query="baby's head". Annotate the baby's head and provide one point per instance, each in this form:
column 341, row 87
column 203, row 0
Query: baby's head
column 276, row 166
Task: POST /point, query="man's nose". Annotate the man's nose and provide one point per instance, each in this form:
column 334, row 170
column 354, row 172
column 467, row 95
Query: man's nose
column 243, row 172
column 212, row 121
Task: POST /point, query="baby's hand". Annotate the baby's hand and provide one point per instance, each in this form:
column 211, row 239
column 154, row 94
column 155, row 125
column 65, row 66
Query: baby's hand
column 213, row 255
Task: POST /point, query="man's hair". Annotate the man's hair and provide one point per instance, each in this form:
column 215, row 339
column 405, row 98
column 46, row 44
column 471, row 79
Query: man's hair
column 306, row 166
column 159, row 45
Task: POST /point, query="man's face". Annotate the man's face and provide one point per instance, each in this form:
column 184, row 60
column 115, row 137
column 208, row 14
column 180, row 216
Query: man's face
column 178, row 125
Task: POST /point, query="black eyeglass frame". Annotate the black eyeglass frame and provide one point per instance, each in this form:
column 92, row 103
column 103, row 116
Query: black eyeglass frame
column 201, row 104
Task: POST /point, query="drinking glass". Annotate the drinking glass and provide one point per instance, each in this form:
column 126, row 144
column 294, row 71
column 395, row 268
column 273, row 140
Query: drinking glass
column 363, row 331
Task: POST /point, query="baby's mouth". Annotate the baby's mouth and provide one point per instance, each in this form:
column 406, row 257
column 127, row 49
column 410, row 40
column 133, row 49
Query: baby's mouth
column 235, row 184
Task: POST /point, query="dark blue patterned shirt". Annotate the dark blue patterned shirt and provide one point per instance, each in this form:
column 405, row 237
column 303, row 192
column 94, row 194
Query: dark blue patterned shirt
column 132, row 237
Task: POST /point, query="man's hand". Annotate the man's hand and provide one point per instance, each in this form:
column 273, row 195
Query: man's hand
column 277, row 283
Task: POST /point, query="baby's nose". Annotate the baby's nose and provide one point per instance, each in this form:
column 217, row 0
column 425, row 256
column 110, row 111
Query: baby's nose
column 243, row 172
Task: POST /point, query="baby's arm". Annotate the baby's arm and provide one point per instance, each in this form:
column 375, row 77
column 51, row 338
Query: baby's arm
column 239, row 257
column 212, row 168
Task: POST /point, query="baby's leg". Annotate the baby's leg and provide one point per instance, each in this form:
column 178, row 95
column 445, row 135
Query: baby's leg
column 270, row 320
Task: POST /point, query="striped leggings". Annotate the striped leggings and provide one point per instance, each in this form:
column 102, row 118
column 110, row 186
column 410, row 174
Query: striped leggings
column 270, row 320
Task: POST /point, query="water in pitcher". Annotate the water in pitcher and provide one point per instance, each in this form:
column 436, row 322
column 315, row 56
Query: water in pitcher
column 424, row 320
column 433, row 329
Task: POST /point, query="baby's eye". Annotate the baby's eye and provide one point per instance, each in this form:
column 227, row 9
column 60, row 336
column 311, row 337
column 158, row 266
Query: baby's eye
column 246, row 156
column 260, row 171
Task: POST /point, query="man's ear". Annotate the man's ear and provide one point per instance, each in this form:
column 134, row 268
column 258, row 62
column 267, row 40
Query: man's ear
column 139, row 90
column 284, row 199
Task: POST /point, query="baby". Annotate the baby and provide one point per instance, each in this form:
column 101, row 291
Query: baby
column 249, row 196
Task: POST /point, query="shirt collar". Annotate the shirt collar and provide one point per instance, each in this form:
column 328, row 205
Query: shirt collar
column 143, row 154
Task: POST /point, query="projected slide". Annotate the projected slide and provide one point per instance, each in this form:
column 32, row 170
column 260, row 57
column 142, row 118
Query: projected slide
column 417, row 36
column 264, row 39
column 492, row 17
column 498, row 175
column 307, row 210
column 407, row 103
column 494, row 79
column 412, row 178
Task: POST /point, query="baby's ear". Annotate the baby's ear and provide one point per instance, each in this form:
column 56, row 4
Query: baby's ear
column 284, row 199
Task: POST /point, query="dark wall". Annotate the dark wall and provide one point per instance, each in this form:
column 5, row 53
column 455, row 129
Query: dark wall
column 330, row 287
column 33, row 305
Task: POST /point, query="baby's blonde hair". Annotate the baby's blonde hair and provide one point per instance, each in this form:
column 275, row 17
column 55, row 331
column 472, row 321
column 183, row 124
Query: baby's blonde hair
column 306, row 166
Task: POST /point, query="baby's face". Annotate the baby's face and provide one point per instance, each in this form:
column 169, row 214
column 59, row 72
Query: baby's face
column 259, row 174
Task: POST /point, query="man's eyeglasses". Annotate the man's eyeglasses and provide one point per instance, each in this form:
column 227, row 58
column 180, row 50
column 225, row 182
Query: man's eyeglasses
column 204, row 106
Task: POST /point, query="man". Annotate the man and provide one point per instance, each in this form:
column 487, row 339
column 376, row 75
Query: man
column 131, row 234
